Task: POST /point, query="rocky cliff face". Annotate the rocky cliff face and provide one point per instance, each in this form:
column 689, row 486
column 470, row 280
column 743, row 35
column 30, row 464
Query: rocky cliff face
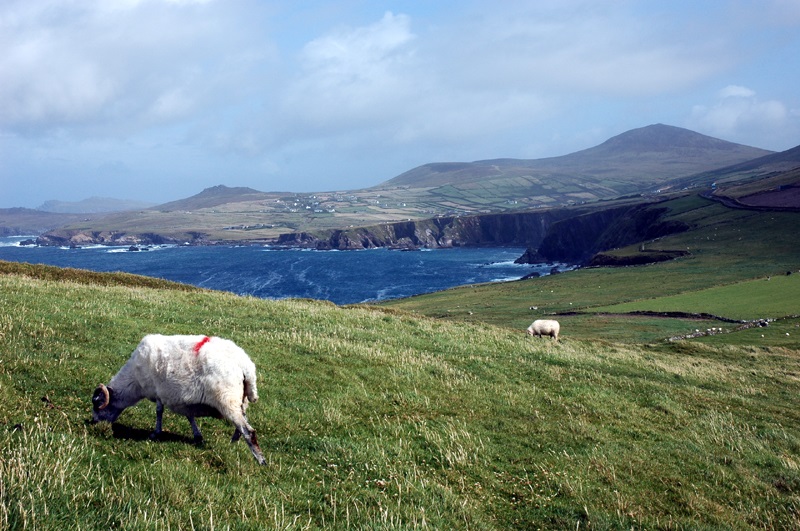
column 517, row 229
column 560, row 235
column 579, row 238
column 77, row 238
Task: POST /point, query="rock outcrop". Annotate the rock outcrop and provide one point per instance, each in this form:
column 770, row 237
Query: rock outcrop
column 514, row 229
column 78, row 238
column 569, row 235
column 579, row 238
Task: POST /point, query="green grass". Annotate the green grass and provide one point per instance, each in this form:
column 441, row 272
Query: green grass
column 732, row 253
column 430, row 412
column 82, row 276
column 769, row 298
column 379, row 419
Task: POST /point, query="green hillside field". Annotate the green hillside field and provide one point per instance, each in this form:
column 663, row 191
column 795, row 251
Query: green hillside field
column 732, row 254
column 375, row 418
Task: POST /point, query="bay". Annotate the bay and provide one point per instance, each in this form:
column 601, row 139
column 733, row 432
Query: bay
column 342, row 277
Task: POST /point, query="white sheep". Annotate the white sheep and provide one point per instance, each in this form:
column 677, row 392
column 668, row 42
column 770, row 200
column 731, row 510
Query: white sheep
column 544, row 327
column 194, row 376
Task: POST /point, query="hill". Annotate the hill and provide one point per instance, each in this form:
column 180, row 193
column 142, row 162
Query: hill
column 29, row 222
column 775, row 191
column 718, row 246
column 215, row 196
column 644, row 160
column 630, row 161
column 92, row 205
column 749, row 171
column 374, row 418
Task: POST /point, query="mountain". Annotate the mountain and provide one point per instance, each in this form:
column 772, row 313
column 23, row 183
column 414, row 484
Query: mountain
column 29, row 222
column 624, row 163
column 751, row 170
column 647, row 161
column 215, row 196
column 770, row 182
column 92, row 205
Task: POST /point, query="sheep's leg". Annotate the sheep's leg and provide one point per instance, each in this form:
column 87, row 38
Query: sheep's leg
column 244, row 429
column 159, row 414
column 198, row 437
column 250, row 438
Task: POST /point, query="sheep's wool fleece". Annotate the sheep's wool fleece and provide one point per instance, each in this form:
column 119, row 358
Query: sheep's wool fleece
column 544, row 327
column 169, row 368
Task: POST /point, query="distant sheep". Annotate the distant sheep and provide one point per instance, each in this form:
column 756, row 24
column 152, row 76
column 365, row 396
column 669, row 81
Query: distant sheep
column 544, row 327
column 194, row 376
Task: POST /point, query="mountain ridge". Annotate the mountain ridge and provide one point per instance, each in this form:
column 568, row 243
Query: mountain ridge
column 213, row 196
column 685, row 151
column 92, row 205
column 641, row 164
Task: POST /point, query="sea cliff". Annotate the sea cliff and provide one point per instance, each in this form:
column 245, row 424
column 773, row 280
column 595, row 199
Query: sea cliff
column 516, row 229
column 579, row 238
column 571, row 235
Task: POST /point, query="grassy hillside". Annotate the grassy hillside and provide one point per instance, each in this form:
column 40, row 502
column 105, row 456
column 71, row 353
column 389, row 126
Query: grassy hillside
column 651, row 155
column 380, row 419
column 769, row 298
column 726, row 246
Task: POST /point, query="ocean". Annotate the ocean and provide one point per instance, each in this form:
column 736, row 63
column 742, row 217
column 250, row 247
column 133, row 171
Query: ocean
column 342, row 277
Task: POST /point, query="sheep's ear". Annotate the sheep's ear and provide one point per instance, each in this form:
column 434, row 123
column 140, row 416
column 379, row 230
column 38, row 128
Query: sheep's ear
column 101, row 398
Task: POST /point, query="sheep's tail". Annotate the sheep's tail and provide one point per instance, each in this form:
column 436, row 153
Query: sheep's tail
column 250, row 389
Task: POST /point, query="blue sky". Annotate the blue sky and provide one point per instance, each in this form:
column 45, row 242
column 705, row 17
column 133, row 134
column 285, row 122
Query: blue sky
column 156, row 100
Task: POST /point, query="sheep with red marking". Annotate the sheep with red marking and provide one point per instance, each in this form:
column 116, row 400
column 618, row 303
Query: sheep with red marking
column 544, row 327
column 194, row 376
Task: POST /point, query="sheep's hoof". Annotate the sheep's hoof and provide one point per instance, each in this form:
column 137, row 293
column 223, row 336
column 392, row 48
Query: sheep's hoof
column 198, row 441
column 154, row 436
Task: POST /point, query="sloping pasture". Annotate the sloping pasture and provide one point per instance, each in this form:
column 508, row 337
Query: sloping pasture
column 374, row 418
column 732, row 254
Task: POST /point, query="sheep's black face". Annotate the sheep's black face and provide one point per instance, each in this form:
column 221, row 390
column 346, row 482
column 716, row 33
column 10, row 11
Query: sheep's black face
column 103, row 410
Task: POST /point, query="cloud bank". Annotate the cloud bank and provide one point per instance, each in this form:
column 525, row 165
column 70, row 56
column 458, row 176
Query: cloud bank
column 170, row 96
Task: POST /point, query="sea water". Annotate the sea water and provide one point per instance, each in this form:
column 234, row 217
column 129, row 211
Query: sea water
column 342, row 277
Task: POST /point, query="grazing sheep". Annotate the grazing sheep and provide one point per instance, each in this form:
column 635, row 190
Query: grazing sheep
column 194, row 376
column 544, row 327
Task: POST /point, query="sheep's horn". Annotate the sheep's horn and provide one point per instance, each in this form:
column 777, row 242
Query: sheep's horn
column 106, row 396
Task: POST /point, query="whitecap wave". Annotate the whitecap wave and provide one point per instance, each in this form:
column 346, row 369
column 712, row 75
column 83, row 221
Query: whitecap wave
column 506, row 263
column 341, row 277
column 14, row 241
column 505, row 279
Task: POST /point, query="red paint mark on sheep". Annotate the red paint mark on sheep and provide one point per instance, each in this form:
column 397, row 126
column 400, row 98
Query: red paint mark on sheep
column 200, row 344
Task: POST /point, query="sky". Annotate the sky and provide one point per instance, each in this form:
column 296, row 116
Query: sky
column 156, row 100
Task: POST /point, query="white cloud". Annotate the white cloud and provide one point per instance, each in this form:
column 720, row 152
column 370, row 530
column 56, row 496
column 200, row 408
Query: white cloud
column 580, row 47
column 735, row 91
column 353, row 77
column 337, row 91
column 117, row 67
column 739, row 115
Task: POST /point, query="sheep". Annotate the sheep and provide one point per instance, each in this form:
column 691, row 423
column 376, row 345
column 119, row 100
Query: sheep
column 544, row 327
column 194, row 376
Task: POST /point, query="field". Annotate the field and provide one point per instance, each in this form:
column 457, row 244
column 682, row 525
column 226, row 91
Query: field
column 375, row 418
column 273, row 214
column 434, row 412
column 733, row 253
